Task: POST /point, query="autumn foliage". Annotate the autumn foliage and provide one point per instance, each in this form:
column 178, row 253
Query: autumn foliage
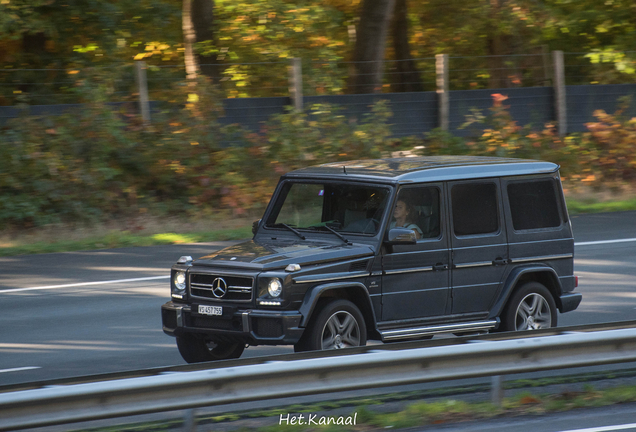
column 98, row 163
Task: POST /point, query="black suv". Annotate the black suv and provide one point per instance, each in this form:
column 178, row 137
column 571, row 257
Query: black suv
column 389, row 249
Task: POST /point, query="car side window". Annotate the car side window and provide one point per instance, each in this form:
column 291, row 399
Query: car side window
column 533, row 205
column 418, row 208
column 475, row 208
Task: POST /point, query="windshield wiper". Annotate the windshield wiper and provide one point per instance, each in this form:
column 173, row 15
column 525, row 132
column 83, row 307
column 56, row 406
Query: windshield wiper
column 343, row 238
column 295, row 231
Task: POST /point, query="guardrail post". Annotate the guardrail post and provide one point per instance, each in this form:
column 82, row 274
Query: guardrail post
column 496, row 391
column 142, row 88
column 189, row 421
column 559, row 93
column 296, row 83
column 443, row 108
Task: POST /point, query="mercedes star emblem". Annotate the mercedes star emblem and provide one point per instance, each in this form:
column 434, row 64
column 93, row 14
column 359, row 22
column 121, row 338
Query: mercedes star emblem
column 219, row 287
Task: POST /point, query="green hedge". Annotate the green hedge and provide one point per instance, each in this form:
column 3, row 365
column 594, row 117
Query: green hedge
column 98, row 164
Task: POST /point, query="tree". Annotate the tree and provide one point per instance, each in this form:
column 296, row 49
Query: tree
column 189, row 39
column 407, row 78
column 197, row 23
column 369, row 50
column 203, row 23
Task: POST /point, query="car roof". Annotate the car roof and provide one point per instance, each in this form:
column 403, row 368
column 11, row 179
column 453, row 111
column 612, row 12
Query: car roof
column 425, row 169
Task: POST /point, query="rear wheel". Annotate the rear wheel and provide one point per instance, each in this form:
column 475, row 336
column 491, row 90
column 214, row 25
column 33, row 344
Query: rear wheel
column 338, row 325
column 531, row 307
column 196, row 350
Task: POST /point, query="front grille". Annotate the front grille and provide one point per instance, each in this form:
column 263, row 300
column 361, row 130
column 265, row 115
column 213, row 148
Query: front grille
column 237, row 288
column 215, row 323
column 268, row 327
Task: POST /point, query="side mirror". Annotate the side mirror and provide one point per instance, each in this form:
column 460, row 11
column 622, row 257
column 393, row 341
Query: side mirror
column 400, row 236
column 255, row 225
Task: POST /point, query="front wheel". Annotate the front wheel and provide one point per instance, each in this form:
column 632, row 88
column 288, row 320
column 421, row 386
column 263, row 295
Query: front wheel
column 338, row 325
column 197, row 350
column 531, row 307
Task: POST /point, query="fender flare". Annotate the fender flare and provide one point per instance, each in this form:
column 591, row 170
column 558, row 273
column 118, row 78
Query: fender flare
column 313, row 295
column 514, row 277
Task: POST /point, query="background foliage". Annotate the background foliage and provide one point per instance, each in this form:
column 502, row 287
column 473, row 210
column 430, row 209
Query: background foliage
column 100, row 163
column 50, row 37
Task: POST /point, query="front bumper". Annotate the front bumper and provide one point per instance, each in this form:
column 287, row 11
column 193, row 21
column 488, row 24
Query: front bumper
column 254, row 327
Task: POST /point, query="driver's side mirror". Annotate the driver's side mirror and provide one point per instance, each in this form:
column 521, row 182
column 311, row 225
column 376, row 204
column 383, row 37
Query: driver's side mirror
column 400, row 236
column 255, row 225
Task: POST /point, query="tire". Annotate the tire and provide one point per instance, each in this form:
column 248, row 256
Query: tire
column 531, row 307
column 196, row 350
column 338, row 325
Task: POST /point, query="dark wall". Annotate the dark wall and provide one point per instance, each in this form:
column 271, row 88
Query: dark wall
column 527, row 105
column 413, row 113
column 416, row 113
column 252, row 112
column 583, row 100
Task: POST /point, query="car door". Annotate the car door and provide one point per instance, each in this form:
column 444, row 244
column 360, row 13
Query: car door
column 479, row 247
column 415, row 280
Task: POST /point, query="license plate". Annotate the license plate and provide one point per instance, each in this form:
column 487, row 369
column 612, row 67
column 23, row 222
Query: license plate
column 210, row 310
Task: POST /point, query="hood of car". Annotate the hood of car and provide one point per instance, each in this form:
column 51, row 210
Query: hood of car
column 279, row 253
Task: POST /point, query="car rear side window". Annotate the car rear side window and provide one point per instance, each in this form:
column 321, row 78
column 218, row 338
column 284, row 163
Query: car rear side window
column 475, row 209
column 533, row 205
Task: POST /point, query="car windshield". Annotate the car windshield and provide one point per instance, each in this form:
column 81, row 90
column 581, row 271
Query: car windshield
column 346, row 208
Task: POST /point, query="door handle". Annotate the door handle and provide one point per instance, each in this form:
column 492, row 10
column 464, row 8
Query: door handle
column 500, row 261
column 440, row 267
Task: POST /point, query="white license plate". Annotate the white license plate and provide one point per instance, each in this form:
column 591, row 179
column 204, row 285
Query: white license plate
column 210, row 310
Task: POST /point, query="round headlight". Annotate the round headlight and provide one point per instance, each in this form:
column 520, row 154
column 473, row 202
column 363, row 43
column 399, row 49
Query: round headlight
column 274, row 288
column 180, row 281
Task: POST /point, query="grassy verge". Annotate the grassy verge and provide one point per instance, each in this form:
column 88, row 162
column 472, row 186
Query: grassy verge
column 372, row 413
column 152, row 231
column 123, row 239
column 577, row 206
column 147, row 232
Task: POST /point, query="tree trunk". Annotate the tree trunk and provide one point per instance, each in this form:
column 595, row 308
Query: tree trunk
column 408, row 77
column 368, row 55
column 189, row 38
column 202, row 15
column 498, row 46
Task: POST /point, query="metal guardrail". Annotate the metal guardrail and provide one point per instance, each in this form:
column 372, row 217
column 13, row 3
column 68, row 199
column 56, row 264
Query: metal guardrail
column 374, row 368
column 395, row 346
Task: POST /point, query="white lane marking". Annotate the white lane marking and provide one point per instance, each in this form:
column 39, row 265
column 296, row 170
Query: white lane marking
column 13, row 290
column 19, row 369
column 605, row 242
column 164, row 277
column 605, row 428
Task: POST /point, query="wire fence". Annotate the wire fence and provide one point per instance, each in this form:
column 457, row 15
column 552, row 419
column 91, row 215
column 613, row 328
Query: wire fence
column 270, row 79
column 252, row 92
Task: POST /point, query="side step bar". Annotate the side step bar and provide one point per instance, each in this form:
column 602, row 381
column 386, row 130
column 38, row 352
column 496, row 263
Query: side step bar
column 415, row 332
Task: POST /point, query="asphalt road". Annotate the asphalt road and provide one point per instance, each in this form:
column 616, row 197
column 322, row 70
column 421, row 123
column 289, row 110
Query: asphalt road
column 78, row 313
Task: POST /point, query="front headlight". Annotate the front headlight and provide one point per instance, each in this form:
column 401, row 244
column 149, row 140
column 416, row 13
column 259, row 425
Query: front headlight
column 179, row 281
column 275, row 288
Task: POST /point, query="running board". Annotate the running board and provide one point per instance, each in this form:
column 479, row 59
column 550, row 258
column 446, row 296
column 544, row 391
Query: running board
column 415, row 332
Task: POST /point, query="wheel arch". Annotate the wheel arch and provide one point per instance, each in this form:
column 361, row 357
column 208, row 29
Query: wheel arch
column 544, row 275
column 355, row 292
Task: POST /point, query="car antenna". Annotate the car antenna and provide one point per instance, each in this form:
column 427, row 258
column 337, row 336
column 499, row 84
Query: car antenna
column 344, row 167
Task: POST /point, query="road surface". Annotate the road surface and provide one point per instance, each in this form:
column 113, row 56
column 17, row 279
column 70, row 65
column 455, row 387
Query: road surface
column 81, row 313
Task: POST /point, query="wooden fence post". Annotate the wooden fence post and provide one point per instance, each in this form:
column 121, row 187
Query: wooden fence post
column 142, row 87
column 443, row 107
column 560, row 107
column 296, row 83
